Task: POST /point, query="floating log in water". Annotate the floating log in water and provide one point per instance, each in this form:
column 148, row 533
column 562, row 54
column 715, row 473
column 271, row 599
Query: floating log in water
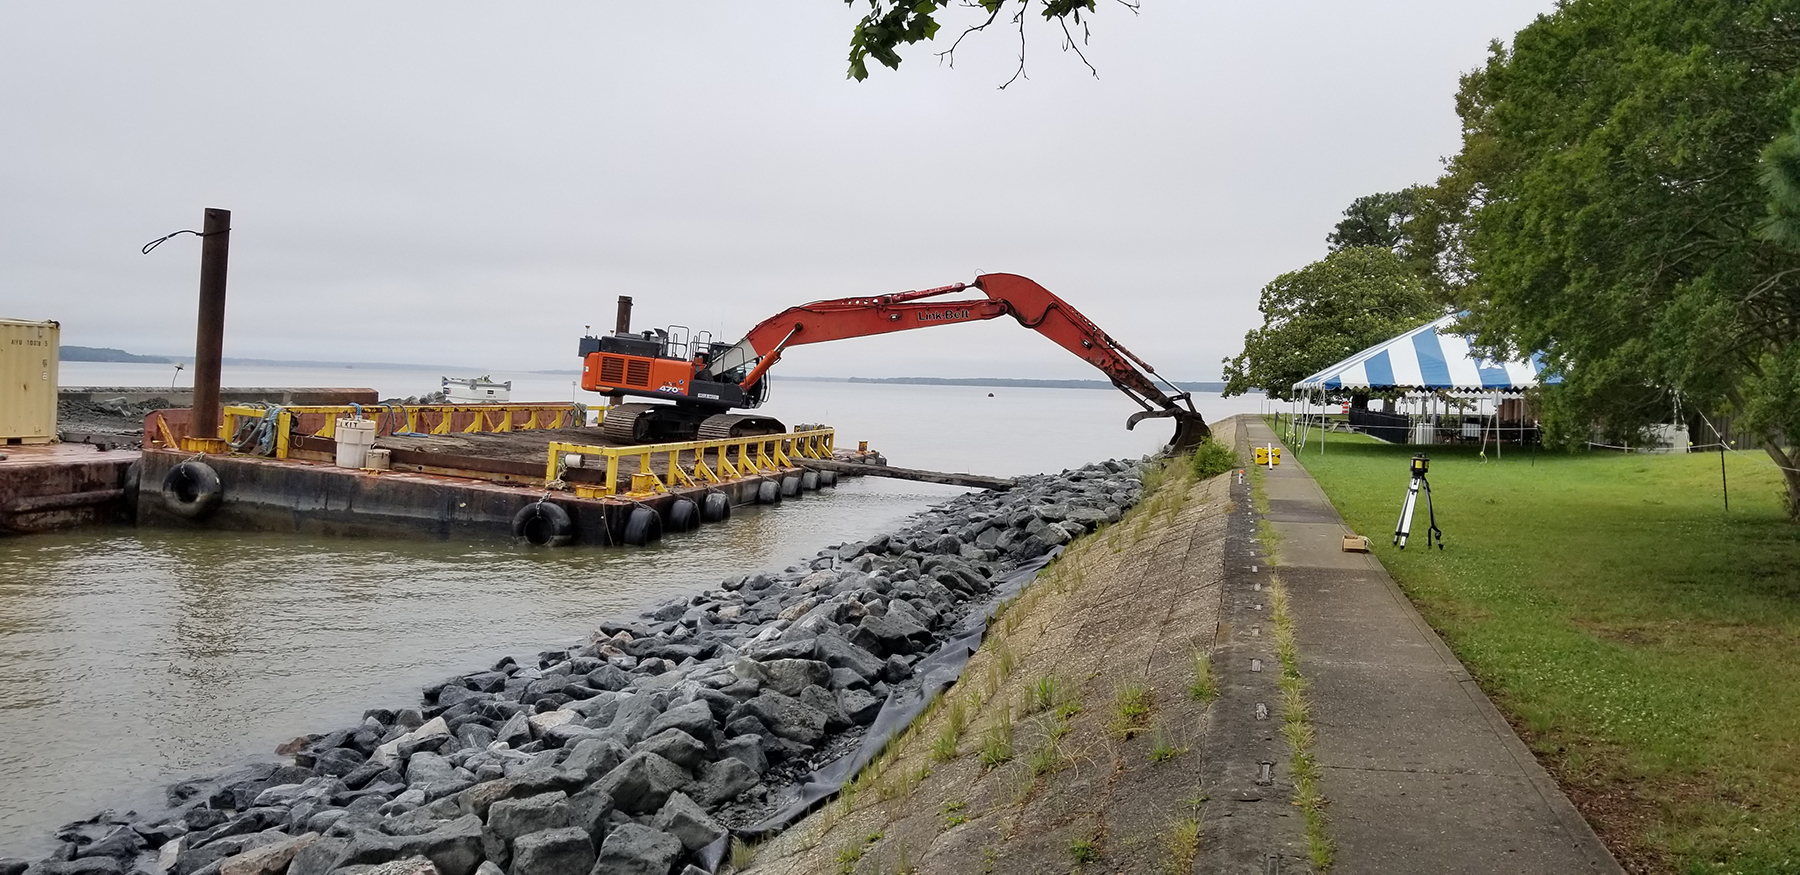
column 975, row 480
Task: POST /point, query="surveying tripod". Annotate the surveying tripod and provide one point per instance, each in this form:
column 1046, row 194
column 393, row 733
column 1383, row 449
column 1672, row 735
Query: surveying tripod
column 1403, row 529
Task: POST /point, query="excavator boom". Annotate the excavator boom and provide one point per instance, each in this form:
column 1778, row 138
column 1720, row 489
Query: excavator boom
column 1034, row 307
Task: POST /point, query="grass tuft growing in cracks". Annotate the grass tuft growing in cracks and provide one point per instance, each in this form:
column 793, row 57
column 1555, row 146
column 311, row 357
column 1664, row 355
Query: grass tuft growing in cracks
column 1046, row 693
column 1182, row 842
column 997, row 742
column 955, row 813
column 742, row 854
column 1203, row 687
column 1131, row 709
column 1296, row 728
column 943, row 748
column 1162, row 750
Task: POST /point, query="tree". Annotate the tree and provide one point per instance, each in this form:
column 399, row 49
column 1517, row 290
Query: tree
column 891, row 24
column 1781, row 176
column 1351, row 300
column 1377, row 220
column 1606, row 207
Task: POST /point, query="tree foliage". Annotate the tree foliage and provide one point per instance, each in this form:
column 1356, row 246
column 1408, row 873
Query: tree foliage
column 1382, row 220
column 1351, row 300
column 1611, row 205
column 890, row 24
column 1781, row 176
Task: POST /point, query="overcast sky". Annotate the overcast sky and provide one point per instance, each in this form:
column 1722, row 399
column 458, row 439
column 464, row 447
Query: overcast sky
column 473, row 183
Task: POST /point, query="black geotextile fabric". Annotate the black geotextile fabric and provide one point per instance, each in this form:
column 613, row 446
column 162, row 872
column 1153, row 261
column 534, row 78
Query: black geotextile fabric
column 935, row 674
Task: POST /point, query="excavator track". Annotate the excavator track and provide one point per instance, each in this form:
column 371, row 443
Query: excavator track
column 621, row 422
column 730, row 425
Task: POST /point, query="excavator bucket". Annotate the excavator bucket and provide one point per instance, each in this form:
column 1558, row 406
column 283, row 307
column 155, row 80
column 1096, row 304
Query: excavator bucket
column 1190, row 427
column 1190, row 430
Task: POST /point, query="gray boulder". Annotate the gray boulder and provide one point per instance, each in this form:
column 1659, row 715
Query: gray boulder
column 319, row 857
column 592, row 809
column 785, row 716
column 823, row 701
column 836, row 652
column 426, row 769
column 748, row 750
column 591, row 758
column 123, row 843
column 99, row 866
column 643, row 782
column 675, row 746
column 515, row 731
column 509, row 819
column 684, row 819
column 338, row 762
column 608, row 677
column 415, row 865
column 859, row 706
column 455, row 848
column 270, row 859
column 694, row 718
column 632, row 849
column 789, row 676
column 565, row 851
column 891, row 633
column 635, row 714
column 723, row 781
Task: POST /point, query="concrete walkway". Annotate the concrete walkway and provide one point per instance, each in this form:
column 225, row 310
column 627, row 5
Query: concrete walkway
column 1422, row 773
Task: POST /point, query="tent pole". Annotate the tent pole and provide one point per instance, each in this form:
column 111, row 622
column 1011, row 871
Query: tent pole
column 1497, row 440
column 1305, row 412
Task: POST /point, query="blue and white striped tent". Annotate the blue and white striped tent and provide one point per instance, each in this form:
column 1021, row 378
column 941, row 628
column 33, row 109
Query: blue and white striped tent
column 1428, row 358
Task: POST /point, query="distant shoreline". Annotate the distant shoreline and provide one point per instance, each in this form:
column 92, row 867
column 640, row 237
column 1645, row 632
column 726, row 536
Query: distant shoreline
column 107, row 354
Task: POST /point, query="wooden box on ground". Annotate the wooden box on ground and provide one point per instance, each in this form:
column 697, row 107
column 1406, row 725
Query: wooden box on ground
column 28, row 360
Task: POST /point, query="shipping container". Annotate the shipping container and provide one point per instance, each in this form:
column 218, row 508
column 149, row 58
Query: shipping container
column 28, row 359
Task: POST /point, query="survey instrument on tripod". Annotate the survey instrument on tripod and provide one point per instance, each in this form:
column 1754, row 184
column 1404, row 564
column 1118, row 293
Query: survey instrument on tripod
column 1403, row 529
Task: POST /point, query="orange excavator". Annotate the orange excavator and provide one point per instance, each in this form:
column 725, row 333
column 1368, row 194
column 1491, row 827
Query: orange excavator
column 707, row 380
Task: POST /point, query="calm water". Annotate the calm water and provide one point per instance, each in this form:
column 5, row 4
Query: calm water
column 134, row 658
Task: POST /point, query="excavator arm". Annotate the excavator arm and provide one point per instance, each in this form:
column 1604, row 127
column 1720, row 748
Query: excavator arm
column 1034, row 307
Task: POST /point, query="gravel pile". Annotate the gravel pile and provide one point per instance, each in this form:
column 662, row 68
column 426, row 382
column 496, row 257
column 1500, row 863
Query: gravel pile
column 634, row 752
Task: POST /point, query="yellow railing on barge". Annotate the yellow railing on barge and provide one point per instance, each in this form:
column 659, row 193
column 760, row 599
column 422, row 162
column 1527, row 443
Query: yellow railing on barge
column 320, row 420
column 731, row 459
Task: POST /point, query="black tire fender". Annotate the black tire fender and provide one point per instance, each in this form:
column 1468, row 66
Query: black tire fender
column 809, row 481
column 192, row 490
column 683, row 515
column 134, row 486
column 828, row 479
column 716, row 508
column 790, row 486
column 643, row 526
column 543, row 524
column 768, row 492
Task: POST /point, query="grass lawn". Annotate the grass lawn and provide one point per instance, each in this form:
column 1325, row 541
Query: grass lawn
column 1645, row 643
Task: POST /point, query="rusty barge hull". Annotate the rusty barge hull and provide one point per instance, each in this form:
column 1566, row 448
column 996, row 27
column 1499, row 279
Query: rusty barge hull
column 471, row 487
column 59, row 486
column 265, row 495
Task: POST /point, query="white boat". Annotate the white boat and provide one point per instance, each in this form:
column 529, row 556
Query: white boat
column 476, row 389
